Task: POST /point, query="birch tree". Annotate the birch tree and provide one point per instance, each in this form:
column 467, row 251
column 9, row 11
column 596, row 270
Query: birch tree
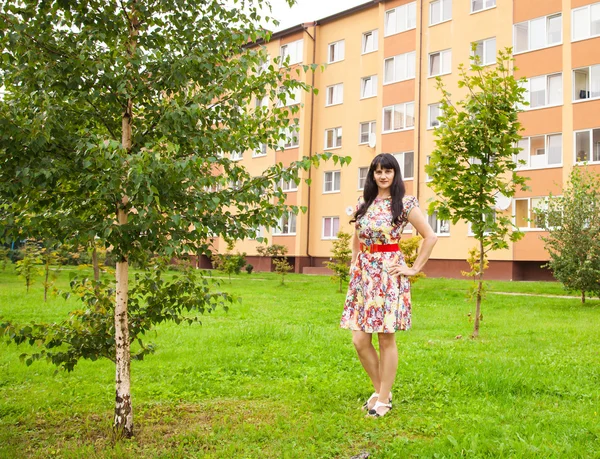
column 474, row 161
column 117, row 122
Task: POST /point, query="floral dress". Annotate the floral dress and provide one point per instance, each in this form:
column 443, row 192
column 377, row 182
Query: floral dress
column 378, row 302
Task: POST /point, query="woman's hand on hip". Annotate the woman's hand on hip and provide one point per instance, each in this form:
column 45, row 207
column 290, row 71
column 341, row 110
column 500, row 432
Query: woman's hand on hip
column 402, row 270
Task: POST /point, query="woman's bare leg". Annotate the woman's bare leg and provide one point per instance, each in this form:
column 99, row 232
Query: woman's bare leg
column 388, row 365
column 368, row 356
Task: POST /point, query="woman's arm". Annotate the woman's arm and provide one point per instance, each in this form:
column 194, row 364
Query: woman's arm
column 417, row 220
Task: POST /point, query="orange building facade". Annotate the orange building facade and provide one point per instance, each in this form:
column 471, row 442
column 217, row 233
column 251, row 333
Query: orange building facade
column 377, row 94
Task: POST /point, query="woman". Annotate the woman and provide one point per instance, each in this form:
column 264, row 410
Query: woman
column 378, row 299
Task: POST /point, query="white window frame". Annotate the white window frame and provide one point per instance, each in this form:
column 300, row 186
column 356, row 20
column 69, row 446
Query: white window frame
column 362, row 179
column 371, row 130
column 443, row 10
column 593, row 7
column 336, row 138
column 532, row 204
column 400, row 19
column 527, row 85
column 594, row 150
column 294, row 50
column 330, row 236
column 288, row 186
column 445, row 63
column 408, row 228
column 295, row 99
column 525, row 153
column 401, row 158
column 368, row 82
column 394, row 109
column 338, row 48
column 485, row 58
column 400, row 62
column 592, row 89
column 531, row 34
column 374, row 34
column 262, row 151
column 428, row 178
column 236, row 155
column 329, row 178
column 470, row 227
column 440, row 227
column 292, row 133
column 334, row 94
column 484, row 6
column 433, row 123
column 287, row 219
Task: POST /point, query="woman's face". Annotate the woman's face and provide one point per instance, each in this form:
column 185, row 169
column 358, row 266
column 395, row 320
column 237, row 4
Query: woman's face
column 383, row 177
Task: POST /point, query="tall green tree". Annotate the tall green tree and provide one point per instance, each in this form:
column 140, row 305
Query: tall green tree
column 473, row 161
column 573, row 241
column 117, row 122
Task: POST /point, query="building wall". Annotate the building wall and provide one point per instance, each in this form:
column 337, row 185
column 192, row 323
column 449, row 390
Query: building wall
column 522, row 260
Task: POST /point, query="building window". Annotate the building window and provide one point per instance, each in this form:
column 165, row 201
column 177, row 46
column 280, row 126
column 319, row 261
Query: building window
column 428, row 178
column 335, row 94
column 440, row 227
column 486, row 51
column 366, row 130
column 260, row 151
column 440, row 11
column 587, row 146
column 399, row 68
column 400, row 19
column 368, row 86
column 293, row 51
column 399, row 117
column 237, row 155
column 489, row 217
column 235, row 184
column 258, row 233
column 433, row 112
column 331, row 226
column 336, row 51
column 586, row 22
column 331, row 182
column 289, row 185
column 362, row 177
column 261, row 102
column 370, row 41
column 586, row 83
column 440, row 63
column 406, row 161
column 538, row 33
column 285, row 98
column 333, row 138
column 544, row 90
column 480, row 5
column 524, row 213
column 540, row 152
column 286, row 225
column 291, row 137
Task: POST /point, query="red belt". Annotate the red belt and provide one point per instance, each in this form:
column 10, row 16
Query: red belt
column 379, row 248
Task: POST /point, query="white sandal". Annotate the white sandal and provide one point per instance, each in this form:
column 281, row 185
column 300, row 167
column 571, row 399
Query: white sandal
column 373, row 411
column 375, row 395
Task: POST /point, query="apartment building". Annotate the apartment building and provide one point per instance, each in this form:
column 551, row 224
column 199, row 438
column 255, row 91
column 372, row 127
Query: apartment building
column 377, row 94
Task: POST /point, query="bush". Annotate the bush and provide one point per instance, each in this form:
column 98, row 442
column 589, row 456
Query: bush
column 249, row 268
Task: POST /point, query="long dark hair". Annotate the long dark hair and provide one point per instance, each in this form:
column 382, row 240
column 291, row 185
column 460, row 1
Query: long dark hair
column 397, row 190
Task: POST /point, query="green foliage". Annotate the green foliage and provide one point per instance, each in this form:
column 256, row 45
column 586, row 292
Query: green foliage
column 342, row 255
column 280, row 262
column 475, row 262
column 249, row 268
column 89, row 333
column 51, row 262
column 474, row 156
column 229, row 263
column 4, row 258
column 410, row 249
column 29, row 266
column 573, row 241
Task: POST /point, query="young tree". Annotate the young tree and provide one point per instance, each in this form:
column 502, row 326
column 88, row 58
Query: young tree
column 51, row 265
column 410, row 249
column 4, row 258
column 342, row 255
column 280, row 262
column 115, row 123
column 573, row 241
column 474, row 156
column 228, row 262
column 30, row 265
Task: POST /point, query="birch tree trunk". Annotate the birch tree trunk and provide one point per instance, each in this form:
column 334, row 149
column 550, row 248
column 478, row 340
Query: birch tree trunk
column 479, row 291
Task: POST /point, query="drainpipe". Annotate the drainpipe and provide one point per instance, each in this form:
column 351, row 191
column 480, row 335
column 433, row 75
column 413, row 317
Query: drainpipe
column 418, row 104
column 312, row 116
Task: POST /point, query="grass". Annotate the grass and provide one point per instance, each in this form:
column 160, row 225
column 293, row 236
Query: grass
column 275, row 377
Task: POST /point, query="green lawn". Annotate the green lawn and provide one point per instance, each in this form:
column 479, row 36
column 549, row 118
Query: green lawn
column 275, row 377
